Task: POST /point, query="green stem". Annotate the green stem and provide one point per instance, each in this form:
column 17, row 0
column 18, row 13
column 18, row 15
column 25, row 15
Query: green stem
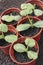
column 30, row 20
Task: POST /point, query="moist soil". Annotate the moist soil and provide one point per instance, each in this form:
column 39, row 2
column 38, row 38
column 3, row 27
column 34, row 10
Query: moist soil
column 12, row 22
column 31, row 31
column 3, row 42
column 5, row 59
column 22, row 57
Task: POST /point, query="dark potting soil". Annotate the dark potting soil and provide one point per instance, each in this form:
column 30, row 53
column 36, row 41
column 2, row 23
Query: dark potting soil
column 31, row 31
column 3, row 42
column 22, row 57
column 13, row 22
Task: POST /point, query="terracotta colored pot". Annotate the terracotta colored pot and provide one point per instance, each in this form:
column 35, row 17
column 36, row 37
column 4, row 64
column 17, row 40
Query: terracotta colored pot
column 39, row 3
column 11, row 52
column 9, row 11
column 37, row 36
column 5, row 49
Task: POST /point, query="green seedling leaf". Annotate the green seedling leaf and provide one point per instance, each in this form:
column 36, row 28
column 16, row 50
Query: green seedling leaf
column 30, row 42
column 8, row 18
column 38, row 12
column 32, row 55
column 11, row 38
column 28, row 6
column 2, row 36
column 26, row 12
column 23, row 27
column 3, row 27
column 39, row 24
column 24, row 6
column 17, row 17
column 19, row 47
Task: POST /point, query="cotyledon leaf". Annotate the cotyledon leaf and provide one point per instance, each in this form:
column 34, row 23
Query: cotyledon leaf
column 11, row 38
column 19, row 47
column 3, row 27
column 23, row 27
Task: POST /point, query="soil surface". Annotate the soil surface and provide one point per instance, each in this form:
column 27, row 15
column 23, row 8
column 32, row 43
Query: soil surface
column 4, row 59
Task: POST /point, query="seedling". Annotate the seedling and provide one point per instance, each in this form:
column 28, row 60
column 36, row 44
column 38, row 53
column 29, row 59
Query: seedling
column 9, row 38
column 22, row 27
column 10, row 18
column 28, row 8
column 30, row 43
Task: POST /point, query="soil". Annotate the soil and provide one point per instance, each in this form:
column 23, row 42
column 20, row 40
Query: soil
column 31, row 31
column 12, row 22
column 3, row 42
column 5, row 59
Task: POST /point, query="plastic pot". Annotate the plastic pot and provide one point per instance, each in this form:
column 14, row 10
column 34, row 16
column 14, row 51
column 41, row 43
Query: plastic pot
column 5, row 49
column 12, row 51
column 37, row 36
column 10, row 10
column 39, row 3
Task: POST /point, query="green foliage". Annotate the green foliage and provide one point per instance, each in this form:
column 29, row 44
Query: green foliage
column 11, row 38
column 23, row 27
column 28, row 8
column 3, row 27
column 21, row 48
column 30, row 42
column 32, row 55
column 38, row 12
column 10, row 18
column 39, row 24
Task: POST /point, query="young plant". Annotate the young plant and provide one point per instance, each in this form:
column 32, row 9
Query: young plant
column 9, row 38
column 10, row 18
column 22, row 27
column 28, row 8
column 30, row 43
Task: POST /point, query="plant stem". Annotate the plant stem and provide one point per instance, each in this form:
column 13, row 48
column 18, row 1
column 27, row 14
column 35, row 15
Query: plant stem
column 30, row 20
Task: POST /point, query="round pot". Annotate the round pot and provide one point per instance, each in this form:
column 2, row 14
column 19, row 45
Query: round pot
column 11, row 52
column 37, row 36
column 5, row 49
column 7, row 11
column 39, row 3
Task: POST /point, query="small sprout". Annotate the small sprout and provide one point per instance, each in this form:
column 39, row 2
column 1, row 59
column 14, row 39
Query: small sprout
column 30, row 42
column 32, row 55
column 11, row 38
column 38, row 12
column 10, row 18
column 23, row 27
column 21, row 48
column 3, row 27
